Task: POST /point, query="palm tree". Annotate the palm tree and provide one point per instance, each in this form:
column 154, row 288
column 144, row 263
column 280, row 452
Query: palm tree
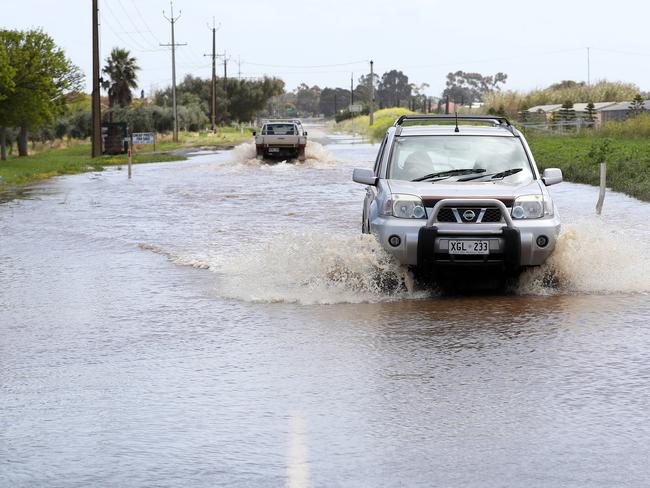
column 121, row 69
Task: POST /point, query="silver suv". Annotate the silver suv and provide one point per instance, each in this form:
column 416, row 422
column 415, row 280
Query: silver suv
column 451, row 191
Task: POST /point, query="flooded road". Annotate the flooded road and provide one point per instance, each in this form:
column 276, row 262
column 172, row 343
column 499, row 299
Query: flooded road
column 218, row 322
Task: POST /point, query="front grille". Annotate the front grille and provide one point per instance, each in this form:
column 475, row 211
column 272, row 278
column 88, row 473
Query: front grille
column 474, row 216
column 492, row 214
column 446, row 214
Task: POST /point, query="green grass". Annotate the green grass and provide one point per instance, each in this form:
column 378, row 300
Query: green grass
column 68, row 160
column 383, row 120
column 628, row 161
column 225, row 137
column 75, row 158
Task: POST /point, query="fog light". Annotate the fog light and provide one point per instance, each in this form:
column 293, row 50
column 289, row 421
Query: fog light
column 542, row 241
column 394, row 240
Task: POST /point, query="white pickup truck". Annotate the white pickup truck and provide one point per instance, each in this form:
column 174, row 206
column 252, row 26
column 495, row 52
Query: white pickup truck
column 281, row 139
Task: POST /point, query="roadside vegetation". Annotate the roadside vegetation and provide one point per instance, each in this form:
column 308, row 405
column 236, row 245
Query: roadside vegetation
column 66, row 160
column 628, row 160
column 383, row 120
column 61, row 157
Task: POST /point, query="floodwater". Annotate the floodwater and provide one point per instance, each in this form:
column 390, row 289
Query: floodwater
column 218, row 322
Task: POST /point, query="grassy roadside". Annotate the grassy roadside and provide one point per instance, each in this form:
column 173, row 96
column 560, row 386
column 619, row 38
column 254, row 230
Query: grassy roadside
column 628, row 161
column 63, row 159
column 383, row 120
column 225, row 137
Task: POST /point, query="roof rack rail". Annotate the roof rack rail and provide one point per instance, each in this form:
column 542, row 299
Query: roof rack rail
column 494, row 119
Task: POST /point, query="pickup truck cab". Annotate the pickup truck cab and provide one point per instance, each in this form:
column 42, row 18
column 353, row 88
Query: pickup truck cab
column 281, row 139
column 447, row 193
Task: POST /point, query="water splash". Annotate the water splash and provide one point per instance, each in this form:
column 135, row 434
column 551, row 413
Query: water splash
column 306, row 269
column 315, row 154
column 592, row 257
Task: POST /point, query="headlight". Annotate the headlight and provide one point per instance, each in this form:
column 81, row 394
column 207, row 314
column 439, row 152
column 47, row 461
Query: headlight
column 532, row 207
column 404, row 207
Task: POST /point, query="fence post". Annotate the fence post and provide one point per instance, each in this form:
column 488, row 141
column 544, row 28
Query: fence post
column 129, row 159
column 603, row 186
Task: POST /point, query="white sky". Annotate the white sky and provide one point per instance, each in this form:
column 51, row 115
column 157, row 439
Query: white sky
column 535, row 43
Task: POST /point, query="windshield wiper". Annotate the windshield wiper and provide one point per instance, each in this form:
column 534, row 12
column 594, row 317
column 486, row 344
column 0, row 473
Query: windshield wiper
column 450, row 172
column 501, row 174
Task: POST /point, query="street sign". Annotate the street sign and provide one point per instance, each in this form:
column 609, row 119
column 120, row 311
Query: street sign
column 143, row 138
column 356, row 108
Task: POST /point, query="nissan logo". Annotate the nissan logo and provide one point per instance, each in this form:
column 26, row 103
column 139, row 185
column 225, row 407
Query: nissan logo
column 468, row 215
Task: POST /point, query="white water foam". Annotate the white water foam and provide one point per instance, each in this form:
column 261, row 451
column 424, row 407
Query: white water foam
column 306, row 269
column 315, row 154
column 592, row 257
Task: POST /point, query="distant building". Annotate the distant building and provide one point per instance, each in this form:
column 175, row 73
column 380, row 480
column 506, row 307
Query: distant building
column 618, row 112
column 580, row 109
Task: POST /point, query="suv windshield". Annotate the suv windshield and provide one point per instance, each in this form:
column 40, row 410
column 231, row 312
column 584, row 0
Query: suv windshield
column 279, row 130
column 455, row 157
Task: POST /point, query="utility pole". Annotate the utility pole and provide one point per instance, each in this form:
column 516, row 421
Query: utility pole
column 371, row 114
column 351, row 88
column 225, row 83
column 239, row 67
column 96, row 103
column 588, row 69
column 213, row 102
column 173, row 45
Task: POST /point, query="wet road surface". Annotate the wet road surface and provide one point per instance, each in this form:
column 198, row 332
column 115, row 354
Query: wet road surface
column 219, row 322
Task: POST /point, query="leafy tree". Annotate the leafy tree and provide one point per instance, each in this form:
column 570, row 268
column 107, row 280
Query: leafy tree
column 636, row 107
column 590, row 114
column 333, row 100
column 7, row 73
column 122, row 70
column 43, row 75
column 362, row 90
column 566, row 113
column 394, row 89
column 246, row 98
column 249, row 97
column 566, row 84
column 307, row 99
column 524, row 113
column 466, row 88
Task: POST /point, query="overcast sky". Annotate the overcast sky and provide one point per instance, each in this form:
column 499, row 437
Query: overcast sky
column 323, row 41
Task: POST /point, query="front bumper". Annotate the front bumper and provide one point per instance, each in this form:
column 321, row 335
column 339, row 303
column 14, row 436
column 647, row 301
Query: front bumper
column 425, row 243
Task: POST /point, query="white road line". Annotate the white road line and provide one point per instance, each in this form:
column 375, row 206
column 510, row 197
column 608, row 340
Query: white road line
column 297, row 455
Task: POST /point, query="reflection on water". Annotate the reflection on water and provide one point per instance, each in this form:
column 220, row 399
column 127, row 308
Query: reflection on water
column 263, row 342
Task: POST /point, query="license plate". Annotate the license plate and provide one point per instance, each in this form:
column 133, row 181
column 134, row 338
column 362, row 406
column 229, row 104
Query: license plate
column 469, row 247
column 274, row 149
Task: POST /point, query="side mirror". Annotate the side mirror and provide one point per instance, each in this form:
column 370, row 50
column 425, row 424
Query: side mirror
column 364, row 176
column 304, row 133
column 254, row 132
column 552, row 176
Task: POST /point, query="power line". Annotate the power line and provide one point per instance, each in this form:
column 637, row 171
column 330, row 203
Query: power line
column 134, row 41
column 129, row 16
column 614, row 51
column 135, row 5
column 304, row 66
column 510, row 58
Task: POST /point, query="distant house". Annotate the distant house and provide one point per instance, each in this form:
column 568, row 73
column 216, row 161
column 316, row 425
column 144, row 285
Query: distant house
column 620, row 111
column 580, row 109
column 545, row 110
